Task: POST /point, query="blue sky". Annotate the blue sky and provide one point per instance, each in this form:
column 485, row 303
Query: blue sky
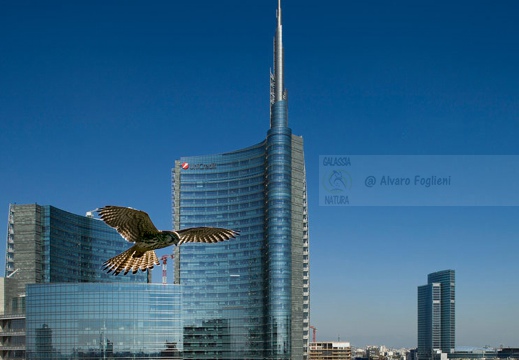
column 97, row 100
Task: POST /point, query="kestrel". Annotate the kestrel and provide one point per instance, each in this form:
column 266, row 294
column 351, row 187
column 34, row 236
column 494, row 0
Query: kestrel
column 136, row 227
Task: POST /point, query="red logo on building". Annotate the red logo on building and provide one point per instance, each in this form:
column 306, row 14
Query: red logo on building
column 185, row 165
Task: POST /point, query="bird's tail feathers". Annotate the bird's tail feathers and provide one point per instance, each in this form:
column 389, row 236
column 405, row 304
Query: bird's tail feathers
column 130, row 260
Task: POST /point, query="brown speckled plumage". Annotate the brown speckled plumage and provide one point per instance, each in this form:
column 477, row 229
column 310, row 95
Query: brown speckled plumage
column 136, row 227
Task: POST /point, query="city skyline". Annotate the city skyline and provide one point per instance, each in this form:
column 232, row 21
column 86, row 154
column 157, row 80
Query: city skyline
column 98, row 100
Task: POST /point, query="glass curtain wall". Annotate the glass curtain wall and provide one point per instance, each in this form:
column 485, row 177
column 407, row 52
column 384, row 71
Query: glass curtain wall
column 103, row 321
column 223, row 284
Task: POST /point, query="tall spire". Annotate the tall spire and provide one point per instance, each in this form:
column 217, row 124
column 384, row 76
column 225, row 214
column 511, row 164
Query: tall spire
column 277, row 89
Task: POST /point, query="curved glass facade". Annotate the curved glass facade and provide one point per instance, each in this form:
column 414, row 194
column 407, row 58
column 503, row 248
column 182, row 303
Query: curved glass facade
column 278, row 218
column 253, row 290
column 47, row 244
column 74, row 248
column 251, row 293
column 223, row 284
column 103, row 321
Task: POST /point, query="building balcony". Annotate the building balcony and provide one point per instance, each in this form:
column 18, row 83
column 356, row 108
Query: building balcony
column 12, row 316
column 9, row 333
column 12, row 347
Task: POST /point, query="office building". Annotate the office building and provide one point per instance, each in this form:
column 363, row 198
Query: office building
column 473, row 353
column 331, row 350
column 436, row 315
column 103, row 321
column 412, row 355
column 48, row 245
column 508, row 353
column 257, row 284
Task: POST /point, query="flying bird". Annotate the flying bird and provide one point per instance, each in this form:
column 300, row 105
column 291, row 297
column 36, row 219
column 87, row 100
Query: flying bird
column 136, row 227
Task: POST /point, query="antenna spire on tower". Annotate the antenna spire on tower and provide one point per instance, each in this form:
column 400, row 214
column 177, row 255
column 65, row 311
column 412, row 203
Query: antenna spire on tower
column 279, row 13
column 277, row 79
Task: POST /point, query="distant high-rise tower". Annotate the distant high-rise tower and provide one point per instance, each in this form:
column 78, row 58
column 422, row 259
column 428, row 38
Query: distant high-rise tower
column 254, row 289
column 436, row 315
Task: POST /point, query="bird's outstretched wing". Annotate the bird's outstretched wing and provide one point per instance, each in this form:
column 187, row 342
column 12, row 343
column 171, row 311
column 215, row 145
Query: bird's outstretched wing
column 132, row 224
column 205, row 235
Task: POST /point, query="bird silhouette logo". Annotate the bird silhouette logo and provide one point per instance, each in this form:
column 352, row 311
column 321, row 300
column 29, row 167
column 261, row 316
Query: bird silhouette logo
column 337, row 181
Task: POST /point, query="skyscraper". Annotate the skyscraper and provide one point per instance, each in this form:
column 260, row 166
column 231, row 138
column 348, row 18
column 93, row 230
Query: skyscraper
column 258, row 284
column 49, row 245
column 436, row 315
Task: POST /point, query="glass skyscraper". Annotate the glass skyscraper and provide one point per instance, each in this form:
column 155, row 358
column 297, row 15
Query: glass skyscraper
column 254, row 290
column 46, row 244
column 436, row 315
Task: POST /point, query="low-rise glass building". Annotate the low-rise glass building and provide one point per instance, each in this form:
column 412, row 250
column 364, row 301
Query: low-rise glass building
column 103, row 321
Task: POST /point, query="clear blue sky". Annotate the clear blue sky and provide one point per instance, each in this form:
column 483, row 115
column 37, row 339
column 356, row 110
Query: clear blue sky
column 98, row 98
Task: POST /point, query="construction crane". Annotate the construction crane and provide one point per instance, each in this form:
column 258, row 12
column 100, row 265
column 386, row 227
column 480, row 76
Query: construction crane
column 164, row 259
column 314, row 332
